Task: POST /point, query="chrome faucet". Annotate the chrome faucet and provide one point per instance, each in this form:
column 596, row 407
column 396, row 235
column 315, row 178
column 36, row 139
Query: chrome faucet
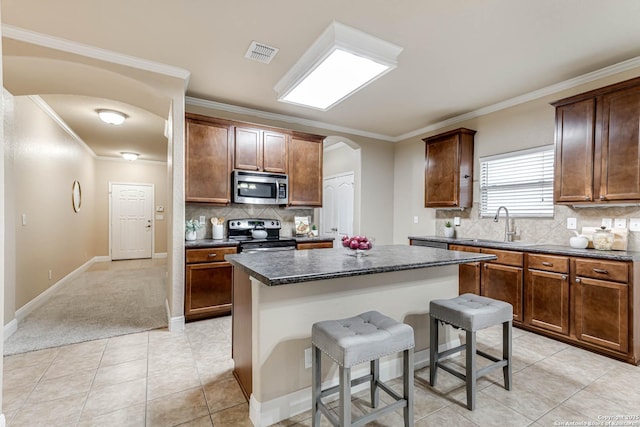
column 508, row 235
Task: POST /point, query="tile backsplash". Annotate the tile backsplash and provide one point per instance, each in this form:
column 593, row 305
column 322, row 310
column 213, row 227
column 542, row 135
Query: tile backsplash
column 550, row 231
column 235, row 211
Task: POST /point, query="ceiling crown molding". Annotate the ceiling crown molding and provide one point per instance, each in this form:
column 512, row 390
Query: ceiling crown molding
column 64, row 45
column 199, row 102
column 56, row 118
column 611, row 70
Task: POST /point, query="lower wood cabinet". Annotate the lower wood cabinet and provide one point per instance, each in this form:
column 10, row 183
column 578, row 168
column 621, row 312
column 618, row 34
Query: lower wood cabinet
column 208, row 283
column 468, row 274
column 502, row 279
column 602, row 303
column 547, row 293
column 593, row 303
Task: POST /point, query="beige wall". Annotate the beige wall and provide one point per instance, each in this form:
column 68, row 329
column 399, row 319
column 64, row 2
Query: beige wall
column 41, row 163
column 46, row 161
column 377, row 171
column 120, row 171
column 524, row 126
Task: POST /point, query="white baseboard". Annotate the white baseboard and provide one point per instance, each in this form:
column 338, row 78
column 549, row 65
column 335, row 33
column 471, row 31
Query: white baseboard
column 28, row 308
column 10, row 329
column 3, row 421
column 264, row 414
column 175, row 323
column 160, row 255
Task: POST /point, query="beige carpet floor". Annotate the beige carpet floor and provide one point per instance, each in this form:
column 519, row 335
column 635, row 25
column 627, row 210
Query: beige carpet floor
column 109, row 299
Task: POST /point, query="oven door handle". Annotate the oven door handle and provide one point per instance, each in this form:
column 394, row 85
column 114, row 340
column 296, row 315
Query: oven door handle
column 280, row 249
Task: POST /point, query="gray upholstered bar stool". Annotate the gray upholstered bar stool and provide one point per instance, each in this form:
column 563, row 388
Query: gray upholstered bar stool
column 348, row 342
column 471, row 313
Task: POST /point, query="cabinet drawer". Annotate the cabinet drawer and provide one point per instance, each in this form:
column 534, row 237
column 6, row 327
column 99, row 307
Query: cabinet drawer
column 314, row 245
column 598, row 269
column 208, row 254
column 557, row 264
column 505, row 257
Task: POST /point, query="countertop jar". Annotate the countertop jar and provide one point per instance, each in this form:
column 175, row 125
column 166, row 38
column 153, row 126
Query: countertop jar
column 603, row 239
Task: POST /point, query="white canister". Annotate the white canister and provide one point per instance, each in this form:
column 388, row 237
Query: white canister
column 218, row 232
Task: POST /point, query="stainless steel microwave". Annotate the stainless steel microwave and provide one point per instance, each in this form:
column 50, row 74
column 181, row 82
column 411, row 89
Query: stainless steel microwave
column 260, row 188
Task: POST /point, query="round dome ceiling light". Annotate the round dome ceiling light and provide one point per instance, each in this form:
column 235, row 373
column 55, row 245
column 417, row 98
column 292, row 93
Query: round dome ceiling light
column 112, row 117
column 129, row 156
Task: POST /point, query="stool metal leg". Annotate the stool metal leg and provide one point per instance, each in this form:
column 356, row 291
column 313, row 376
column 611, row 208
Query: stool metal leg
column 433, row 350
column 471, row 376
column 407, row 386
column 375, row 375
column 316, row 384
column 345, row 396
column 506, row 353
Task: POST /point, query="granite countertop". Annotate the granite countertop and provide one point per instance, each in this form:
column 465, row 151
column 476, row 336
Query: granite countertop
column 535, row 248
column 282, row 268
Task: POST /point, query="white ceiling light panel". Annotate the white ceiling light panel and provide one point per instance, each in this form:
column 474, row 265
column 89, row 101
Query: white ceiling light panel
column 340, row 62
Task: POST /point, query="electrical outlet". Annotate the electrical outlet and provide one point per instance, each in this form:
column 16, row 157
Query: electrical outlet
column 24, row 219
column 307, row 357
column 620, row 223
column 202, row 219
column 634, row 224
column 50, row 274
column 415, row 219
column 572, row 223
column 607, row 222
column 456, row 221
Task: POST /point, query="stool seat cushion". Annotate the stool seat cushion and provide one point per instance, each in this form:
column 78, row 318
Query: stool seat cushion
column 362, row 338
column 471, row 312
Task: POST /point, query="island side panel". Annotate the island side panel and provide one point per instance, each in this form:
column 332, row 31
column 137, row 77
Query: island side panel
column 283, row 316
column 241, row 350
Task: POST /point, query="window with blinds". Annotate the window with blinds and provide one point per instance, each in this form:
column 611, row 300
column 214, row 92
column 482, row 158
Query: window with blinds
column 522, row 181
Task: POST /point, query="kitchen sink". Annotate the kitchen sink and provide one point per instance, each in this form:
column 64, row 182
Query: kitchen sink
column 496, row 242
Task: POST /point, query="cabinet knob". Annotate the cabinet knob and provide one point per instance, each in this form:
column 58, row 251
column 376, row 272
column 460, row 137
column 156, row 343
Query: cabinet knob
column 563, row 277
column 547, row 264
column 587, row 198
column 578, row 280
column 600, row 271
column 212, row 255
column 466, row 177
column 603, row 198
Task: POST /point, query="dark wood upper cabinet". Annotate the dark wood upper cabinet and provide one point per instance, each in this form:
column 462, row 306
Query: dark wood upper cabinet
column 598, row 146
column 575, row 130
column 260, row 150
column 208, row 156
column 449, row 169
column 305, row 170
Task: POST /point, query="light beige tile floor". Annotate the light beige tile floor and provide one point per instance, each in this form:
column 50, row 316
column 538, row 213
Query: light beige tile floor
column 158, row 378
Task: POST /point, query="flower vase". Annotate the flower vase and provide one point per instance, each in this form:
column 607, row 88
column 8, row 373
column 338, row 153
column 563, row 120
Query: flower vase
column 190, row 235
column 449, row 232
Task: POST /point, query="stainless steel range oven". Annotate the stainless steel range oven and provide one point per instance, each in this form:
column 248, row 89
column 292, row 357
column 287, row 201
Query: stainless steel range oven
column 243, row 231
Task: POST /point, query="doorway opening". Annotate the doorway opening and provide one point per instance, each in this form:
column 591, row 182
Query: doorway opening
column 340, row 212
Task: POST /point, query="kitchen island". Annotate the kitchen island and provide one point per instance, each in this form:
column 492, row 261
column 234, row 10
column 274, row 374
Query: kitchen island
column 277, row 296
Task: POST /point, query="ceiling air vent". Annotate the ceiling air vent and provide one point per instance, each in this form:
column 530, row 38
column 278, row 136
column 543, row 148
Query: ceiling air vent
column 261, row 52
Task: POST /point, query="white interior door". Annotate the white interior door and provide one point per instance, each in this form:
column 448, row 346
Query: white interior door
column 337, row 205
column 131, row 221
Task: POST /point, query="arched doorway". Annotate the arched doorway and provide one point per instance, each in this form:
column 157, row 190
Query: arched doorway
column 340, row 213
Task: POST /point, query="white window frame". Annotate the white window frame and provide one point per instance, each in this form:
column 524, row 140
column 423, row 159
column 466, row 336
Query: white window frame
column 515, row 180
